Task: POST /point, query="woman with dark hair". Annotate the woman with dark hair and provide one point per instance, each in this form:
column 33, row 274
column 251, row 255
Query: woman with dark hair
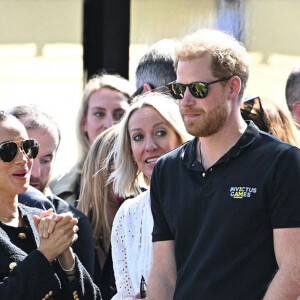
column 36, row 258
column 268, row 116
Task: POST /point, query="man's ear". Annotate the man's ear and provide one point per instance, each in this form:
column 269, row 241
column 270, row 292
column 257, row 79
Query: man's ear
column 234, row 86
column 296, row 111
column 147, row 87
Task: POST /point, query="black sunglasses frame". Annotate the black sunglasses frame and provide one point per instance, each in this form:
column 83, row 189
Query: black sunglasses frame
column 180, row 94
column 143, row 286
column 246, row 109
column 9, row 149
column 140, row 91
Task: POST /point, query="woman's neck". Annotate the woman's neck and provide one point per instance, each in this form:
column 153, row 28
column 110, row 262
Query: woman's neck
column 9, row 213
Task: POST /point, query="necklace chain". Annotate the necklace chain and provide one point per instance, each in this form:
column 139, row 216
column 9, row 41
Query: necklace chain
column 6, row 218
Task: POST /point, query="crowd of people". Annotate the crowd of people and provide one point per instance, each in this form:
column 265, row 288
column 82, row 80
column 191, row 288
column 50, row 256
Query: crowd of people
column 184, row 188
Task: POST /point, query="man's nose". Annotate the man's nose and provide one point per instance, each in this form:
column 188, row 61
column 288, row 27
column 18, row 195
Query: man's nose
column 188, row 99
column 36, row 170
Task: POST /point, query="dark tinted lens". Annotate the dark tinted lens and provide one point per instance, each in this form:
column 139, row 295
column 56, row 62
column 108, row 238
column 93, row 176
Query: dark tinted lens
column 246, row 108
column 198, row 89
column 8, row 151
column 177, row 90
column 31, row 148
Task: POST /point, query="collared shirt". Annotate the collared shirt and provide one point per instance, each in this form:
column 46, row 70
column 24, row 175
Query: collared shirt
column 222, row 219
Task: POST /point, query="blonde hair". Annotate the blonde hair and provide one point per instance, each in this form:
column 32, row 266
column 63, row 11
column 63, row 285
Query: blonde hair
column 228, row 56
column 114, row 82
column 126, row 177
column 95, row 194
column 279, row 121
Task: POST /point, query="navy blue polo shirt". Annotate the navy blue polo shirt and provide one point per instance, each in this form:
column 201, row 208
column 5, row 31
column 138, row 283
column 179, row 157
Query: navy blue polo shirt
column 222, row 219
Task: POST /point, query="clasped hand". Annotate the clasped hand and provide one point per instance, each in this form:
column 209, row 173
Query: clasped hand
column 57, row 232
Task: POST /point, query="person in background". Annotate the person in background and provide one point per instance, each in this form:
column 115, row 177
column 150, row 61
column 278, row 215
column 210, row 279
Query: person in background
column 32, row 265
column 104, row 102
column 156, row 67
column 225, row 204
column 268, row 116
column 98, row 201
column 151, row 127
column 292, row 94
column 43, row 127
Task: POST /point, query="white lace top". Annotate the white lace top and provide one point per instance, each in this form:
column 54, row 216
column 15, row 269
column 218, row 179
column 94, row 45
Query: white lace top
column 131, row 243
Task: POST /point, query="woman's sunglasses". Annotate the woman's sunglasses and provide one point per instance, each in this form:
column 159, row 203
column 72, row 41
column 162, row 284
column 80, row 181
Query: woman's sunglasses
column 9, row 150
column 197, row 89
column 252, row 109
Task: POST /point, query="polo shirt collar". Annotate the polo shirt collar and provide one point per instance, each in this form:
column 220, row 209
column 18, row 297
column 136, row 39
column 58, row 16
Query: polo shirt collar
column 188, row 154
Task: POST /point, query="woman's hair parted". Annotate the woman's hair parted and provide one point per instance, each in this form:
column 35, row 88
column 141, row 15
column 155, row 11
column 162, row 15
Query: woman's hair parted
column 126, row 177
column 95, row 194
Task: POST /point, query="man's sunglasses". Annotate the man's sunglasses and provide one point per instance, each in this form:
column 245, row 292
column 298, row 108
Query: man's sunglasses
column 197, row 89
column 252, row 109
column 9, row 150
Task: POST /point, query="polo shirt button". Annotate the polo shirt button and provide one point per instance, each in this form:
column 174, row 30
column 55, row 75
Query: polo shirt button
column 203, row 174
column 22, row 235
column 210, row 169
column 12, row 265
column 193, row 165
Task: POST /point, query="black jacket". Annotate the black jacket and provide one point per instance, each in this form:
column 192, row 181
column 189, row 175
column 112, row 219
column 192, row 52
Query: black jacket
column 32, row 277
column 84, row 246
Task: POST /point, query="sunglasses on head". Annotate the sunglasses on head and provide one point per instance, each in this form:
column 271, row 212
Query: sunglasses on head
column 140, row 91
column 252, row 109
column 9, row 150
column 198, row 89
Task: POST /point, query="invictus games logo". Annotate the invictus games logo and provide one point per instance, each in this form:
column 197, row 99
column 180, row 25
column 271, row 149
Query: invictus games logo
column 241, row 192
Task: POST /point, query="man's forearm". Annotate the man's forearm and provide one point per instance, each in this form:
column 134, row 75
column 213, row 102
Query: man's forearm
column 285, row 285
column 160, row 288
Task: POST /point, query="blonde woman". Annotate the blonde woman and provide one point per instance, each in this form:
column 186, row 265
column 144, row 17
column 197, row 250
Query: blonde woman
column 151, row 127
column 104, row 102
column 98, row 202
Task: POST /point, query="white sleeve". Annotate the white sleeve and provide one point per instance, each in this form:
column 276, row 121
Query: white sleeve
column 119, row 256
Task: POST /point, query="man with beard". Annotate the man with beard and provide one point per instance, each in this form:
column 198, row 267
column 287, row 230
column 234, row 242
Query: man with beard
column 44, row 129
column 226, row 215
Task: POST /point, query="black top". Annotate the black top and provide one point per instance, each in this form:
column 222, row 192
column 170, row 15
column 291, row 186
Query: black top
column 105, row 278
column 21, row 237
column 222, row 219
column 84, row 246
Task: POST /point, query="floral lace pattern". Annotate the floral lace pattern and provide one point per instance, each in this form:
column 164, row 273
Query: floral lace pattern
column 131, row 242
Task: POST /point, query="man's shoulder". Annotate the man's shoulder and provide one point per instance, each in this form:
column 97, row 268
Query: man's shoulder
column 34, row 198
column 271, row 144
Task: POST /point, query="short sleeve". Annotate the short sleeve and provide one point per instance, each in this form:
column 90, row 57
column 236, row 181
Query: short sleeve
column 285, row 190
column 161, row 229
